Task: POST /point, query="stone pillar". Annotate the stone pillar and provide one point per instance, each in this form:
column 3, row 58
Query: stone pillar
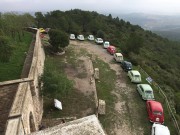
column 96, row 73
column 101, row 107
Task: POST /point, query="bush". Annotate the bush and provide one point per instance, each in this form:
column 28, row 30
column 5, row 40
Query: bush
column 5, row 49
column 100, row 34
column 177, row 103
column 55, row 83
column 58, row 39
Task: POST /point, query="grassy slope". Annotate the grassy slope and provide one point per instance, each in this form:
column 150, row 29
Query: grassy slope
column 73, row 103
column 12, row 69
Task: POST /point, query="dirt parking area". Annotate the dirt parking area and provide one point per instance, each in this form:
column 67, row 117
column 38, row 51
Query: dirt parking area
column 129, row 110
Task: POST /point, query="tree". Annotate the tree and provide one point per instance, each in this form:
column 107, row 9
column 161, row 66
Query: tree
column 100, row 34
column 133, row 44
column 40, row 19
column 5, row 49
column 58, row 39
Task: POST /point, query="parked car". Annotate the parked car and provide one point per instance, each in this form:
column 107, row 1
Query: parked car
column 106, row 44
column 72, row 37
column 80, row 37
column 155, row 111
column 118, row 57
column 134, row 76
column 111, row 49
column 158, row 129
column 99, row 40
column 41, row 30
column 145, row 91
column 127, row 66
column 91, row 37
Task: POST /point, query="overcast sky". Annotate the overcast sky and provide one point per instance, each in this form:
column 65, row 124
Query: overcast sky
column 164, row 7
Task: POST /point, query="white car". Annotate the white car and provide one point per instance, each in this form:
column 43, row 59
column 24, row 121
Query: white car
column 99, row 40
column 106, row 44
column 80, row 37
column 118, row 57
column 91, row 37
column 72, row 37
column 134, row 76
column 158, row 129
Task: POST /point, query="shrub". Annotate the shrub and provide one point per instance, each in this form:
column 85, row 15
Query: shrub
column 55, row 83
column 58, row 39
column 177, row 103
column 5, row 49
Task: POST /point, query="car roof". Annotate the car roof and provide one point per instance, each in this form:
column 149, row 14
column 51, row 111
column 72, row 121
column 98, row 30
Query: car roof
column 127, row 62
column 161, row 129
column 119, row 54
column 112, row 46
column 99, row 38
column 146, row 86
column 155, row 106
column 135, row 72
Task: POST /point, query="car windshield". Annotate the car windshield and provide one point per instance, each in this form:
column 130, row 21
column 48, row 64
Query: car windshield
column 148, row 92
column 137, row 76
column 100, row 39
column 157, row 113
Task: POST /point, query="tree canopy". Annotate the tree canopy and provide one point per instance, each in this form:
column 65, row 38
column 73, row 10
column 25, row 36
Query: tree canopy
column 58, row 39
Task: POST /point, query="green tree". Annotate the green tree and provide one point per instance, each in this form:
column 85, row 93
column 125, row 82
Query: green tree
column 58, row 39
column 5, row 49
column 133, row 44
column 100, row 34
column 40, row 19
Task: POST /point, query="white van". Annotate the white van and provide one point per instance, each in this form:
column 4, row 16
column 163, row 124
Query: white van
column 106, row 44
column 118, row 57
column 158, row 129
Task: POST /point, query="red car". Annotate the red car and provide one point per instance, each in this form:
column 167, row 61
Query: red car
column 155, row 111
column 111, row 49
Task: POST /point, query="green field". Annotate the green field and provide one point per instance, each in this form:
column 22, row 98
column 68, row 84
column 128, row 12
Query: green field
column 12, row 69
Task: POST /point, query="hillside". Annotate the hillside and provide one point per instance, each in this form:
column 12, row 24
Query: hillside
column 158, row 56
column 166, row 26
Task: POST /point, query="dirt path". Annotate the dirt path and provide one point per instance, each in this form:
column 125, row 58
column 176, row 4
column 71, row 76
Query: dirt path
column 127, row 116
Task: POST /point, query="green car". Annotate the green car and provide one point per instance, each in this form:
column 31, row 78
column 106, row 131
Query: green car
column 145, row 91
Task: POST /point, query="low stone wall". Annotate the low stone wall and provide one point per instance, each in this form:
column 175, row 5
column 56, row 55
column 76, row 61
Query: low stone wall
column 27, row 109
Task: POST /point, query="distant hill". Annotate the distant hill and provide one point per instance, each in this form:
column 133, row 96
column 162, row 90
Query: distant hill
column 163, row 25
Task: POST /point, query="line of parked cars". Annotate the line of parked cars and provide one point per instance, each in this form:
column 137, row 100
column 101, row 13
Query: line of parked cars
column 154, row 108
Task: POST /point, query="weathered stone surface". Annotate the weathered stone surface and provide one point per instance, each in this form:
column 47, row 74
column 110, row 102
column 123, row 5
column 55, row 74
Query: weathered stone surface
column 89, row 125
column 96, row 73
column 101, row 107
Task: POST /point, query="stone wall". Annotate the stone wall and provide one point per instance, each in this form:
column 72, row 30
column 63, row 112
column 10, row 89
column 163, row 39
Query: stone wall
column 27, row 109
